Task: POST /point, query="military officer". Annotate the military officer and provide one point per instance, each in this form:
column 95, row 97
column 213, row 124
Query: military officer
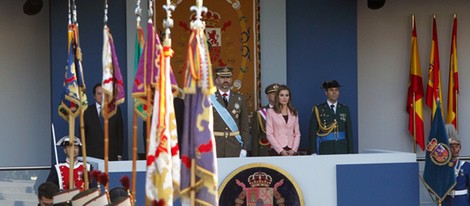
column 330, row 124
column 230, row 117
column 458, row 196
column 260, row 144
column 59, row 173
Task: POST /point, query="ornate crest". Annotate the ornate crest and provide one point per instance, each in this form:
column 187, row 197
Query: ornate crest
column 438, row 152
column 253, row 185
column 260, row 192
column 213, row 32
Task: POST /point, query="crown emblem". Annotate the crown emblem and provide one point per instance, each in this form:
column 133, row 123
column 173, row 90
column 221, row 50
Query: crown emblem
column 260, row 179
column 211, row 18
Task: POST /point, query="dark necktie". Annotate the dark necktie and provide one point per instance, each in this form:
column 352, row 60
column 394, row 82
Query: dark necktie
column 224, row 97
column 333, row 108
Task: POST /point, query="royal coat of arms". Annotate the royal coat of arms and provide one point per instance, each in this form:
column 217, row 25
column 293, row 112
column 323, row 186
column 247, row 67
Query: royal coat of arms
column 260, row 184
column 260, row 192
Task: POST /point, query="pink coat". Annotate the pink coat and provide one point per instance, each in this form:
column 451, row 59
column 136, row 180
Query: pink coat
column 280, row 133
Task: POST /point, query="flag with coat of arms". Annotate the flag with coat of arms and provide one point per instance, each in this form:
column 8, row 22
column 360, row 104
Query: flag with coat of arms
column 439, row 175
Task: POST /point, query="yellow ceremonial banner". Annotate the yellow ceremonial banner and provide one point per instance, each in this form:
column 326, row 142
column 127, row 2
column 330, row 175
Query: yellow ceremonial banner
column 232, row 31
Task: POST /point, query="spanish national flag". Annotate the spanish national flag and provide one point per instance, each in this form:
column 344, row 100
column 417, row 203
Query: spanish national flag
column 414, row 105
column 434, row 76
column 453, row 89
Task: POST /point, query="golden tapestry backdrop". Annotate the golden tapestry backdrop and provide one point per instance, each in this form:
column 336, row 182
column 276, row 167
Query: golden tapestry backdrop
column 232, row 34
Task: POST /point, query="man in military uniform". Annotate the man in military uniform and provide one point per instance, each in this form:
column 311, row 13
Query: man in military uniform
column 459, row 194
column 260, row 144
column 230, row 117
column 59, row 173
column 330, row 125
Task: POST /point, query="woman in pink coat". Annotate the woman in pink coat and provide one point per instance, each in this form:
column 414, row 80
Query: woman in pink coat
column 282, row 125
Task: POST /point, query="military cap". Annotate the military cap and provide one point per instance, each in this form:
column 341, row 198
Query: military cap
column 64, row 197
column 65, row 141
column 122, row 201
column 223, row 72
column 116, row 193
column 85, row 196
column 452, row 133
column 330, row 84
column 98, row 201
column 271, row 88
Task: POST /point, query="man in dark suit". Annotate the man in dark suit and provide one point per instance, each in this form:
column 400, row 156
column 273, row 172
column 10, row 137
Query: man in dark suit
column 259, row 143
column 231, row 139
column 330, row 125
column 94, row 132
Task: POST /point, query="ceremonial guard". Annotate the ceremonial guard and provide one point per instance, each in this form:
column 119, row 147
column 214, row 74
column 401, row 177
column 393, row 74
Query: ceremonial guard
column 458, row 196
column 260, row 144
column 231, row 128
column 59, row 173
column 330, row 124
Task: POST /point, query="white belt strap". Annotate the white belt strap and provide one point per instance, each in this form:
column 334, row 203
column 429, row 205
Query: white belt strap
column 458, row 192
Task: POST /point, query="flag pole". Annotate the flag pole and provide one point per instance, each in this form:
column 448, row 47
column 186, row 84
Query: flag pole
column 71, row 153
column 106, row 136
column 148, row 121
column 193, row 183
column 414, row 123
column 105, row 109
column 456, row 107
column 414, row 98
column 81, row 88
column 134, row 156
column 151, row 9
column 138, row 12
column 82, row 134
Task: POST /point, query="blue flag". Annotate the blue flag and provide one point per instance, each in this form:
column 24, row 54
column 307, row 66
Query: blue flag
column 439, row 175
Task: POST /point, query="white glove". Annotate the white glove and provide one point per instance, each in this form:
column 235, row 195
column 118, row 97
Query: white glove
column 243, row 153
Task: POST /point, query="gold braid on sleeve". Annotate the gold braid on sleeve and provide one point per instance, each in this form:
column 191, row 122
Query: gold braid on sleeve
column 260, row 121
column 263, row 128
column 323, row 128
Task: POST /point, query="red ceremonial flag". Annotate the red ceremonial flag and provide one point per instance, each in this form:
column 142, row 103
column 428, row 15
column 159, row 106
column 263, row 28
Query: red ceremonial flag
column 433, row 91
column 453, row 89
column 414, row 105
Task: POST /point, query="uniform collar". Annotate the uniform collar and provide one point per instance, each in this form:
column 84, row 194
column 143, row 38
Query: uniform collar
column 329, row 103
column 221, row 92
